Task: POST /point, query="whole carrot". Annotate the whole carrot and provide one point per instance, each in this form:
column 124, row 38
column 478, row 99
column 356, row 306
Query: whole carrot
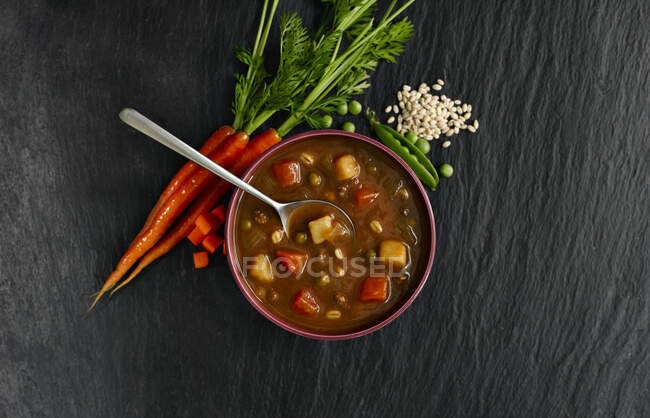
column 215, row 140
column 225, row 155
column 205, row 202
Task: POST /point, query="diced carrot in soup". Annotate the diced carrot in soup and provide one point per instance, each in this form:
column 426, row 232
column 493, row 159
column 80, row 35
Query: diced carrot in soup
column 374, row 289
column 292, row 260
column 305, row 303
column 365, row 196
column 287, row 173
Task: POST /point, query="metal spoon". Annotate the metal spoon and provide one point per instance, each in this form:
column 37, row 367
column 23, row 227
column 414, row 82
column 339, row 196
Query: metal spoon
column 285, row 210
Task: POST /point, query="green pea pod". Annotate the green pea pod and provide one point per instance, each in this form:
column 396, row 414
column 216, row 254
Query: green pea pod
column 416, row 151
column 395, row 145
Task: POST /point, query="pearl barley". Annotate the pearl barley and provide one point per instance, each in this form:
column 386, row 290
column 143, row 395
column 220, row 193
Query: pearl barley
column 430, row 116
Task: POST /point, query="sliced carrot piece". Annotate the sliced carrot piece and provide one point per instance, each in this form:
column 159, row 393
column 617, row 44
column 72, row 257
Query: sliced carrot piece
column 305, row 303
column 220, row 213
column 201, row 259
column 287, row 173
column 292, row 261
column 365, row 196
column 211, row 242
column 374, row 289
column 196, row 236
column 207, row 223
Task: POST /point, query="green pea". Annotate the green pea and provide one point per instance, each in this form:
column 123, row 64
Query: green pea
column 446, row 170
column 411, row 137
column 315, row 179
column 371, row 254
column 342, row 109
column 355, row 107
column 327, row 121
column 349, row 126
column 324, row 279
column 246, row 225
column 371, row 169
column 301, row 237
column 423, row 145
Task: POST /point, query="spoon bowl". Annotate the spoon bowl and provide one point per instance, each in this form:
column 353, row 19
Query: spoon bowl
column 284, row 210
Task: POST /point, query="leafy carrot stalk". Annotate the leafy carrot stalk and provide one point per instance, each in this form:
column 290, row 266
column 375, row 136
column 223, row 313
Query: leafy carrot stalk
column 204, row 203
column 225, row 155
column 207, row 148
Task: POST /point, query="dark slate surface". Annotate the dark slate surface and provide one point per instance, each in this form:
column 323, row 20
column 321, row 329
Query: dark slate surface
column 538, row 300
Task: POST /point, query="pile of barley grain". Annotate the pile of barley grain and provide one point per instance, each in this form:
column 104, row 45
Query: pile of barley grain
column 431, row 116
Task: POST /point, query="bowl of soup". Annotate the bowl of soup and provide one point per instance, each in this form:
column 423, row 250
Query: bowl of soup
column 326, row 279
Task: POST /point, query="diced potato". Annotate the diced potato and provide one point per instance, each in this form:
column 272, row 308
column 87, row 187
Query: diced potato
column 346, row 167
column 260, row 268
column 393, row 251
column 339, row 232
column 320, row 229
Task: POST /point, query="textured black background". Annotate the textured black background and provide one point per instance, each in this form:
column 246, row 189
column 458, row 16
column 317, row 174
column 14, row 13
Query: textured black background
column 537, row 304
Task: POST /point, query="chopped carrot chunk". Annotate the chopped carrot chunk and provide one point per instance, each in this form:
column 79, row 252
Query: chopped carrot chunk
column 201, row 259
column 365, row 196
column 211, row 242
column 292, row 261
column 374, row 289
column 220, row 213
column 207, row 223
column 305, row 303
column 287, row 173
column 196, row 236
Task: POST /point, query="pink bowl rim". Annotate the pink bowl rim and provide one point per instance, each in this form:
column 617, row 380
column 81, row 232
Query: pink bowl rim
column 247, row 291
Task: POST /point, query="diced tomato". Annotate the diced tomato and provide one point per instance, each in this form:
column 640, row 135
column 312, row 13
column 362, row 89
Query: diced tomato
column 287, row 173
column 305, row 303
column 207, row 223
column 201, row 259
column 220, row 213
column 293, row 261
column 365, row 196
column 196, row 236
column 374, row 289
column 211, row 242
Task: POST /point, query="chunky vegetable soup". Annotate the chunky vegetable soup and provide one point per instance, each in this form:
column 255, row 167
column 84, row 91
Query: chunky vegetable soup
column 325, row 277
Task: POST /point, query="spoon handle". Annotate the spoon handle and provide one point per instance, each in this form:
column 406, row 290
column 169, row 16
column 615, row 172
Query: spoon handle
column 151, row 129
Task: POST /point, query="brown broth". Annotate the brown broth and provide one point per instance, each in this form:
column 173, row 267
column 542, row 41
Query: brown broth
column 391, row 209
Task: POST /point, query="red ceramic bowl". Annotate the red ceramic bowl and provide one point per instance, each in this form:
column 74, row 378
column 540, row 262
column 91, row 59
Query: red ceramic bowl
column 248, row 292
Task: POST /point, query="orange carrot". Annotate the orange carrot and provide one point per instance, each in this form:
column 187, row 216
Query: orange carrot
column 207, row 222
column 220, row 213
column 215, row 140
column 225, row 155
column 201, row 259
column 183, row 227
column 196, row 236
column 211, row 242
